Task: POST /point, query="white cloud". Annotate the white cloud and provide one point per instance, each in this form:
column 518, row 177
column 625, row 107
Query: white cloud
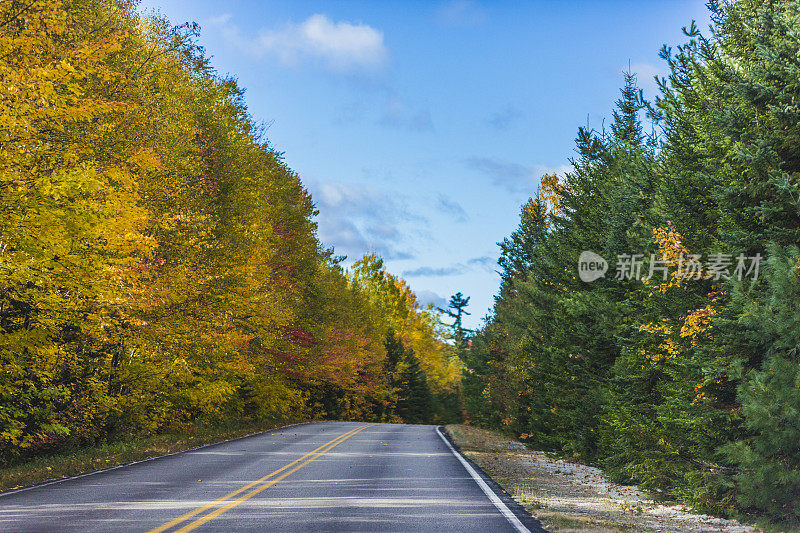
column 339, row 46
column 451, row 208
column 487, row 262
column 392, row 113
column 396, row 115
column 513, row 177
column 356, row 219
column 503, row 119
column 427, row 271
column 425, row 297
column 645, row 73
column 461, row 13
column 221, row 20
column 484, row 262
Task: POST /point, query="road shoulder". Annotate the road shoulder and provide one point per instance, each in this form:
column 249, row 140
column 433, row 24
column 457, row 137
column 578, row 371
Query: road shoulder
column 570, row 497
column 522, row 519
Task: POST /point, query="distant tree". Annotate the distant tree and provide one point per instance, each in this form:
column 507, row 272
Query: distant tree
column 394, row 351
column 415, row 405
column 456, row 309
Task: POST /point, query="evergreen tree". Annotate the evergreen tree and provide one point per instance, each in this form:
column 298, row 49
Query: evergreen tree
column 457, row 309
column 394, row 351
column 518, row 253
column 415, row 405
column 768, row 454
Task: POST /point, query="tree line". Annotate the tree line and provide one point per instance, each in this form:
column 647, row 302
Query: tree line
column 159, row 264
column 689, row 386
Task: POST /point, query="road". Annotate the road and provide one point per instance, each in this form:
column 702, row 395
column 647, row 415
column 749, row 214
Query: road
column 327, row 476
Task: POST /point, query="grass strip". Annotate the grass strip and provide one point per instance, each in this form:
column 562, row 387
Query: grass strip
column 89, row 459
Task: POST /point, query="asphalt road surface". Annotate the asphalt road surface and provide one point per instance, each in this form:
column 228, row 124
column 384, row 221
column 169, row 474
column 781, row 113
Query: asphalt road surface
column 328, row 476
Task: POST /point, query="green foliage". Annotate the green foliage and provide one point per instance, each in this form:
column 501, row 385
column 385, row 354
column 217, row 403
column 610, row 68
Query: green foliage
column 415, row 404
column 457, row 309
column 768, row 454
column 687, row 388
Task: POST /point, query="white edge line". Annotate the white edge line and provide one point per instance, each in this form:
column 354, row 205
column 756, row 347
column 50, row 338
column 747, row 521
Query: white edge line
column 109, row 469
column 510, row 516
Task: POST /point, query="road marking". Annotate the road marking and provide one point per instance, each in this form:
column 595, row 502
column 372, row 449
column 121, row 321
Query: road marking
column 200, row 521
column 510, row 516
column 318, row 451
column 146, row 460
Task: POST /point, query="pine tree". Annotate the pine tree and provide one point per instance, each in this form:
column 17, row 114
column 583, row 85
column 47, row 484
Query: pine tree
column 457, row 309
column 415, row 405
column 686, row 387
column 518, row 253
column 768, row 454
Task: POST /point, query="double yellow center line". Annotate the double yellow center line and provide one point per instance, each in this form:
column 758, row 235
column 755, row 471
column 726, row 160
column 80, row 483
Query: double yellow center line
column 256, row 486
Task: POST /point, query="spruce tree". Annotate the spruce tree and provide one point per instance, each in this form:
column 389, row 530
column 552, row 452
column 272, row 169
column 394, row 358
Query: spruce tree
column 416, row 402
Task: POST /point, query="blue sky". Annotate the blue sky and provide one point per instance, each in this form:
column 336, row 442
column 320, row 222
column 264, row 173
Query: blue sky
column 421, row 127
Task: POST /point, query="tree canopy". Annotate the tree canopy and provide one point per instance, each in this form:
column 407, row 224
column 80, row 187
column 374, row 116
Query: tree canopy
column 159, row 263
column 687, row 385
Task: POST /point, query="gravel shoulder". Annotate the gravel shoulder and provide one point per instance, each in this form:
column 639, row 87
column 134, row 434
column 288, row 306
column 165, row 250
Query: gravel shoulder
column 571, row 497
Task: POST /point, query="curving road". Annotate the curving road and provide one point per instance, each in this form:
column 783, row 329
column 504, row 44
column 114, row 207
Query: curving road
column 327, row 476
